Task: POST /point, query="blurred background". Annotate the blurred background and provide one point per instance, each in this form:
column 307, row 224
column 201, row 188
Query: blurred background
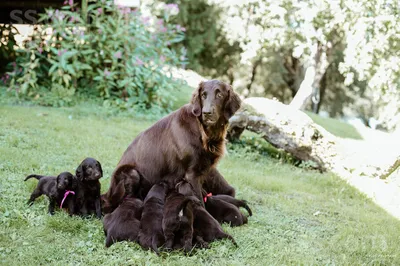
column 338, row 59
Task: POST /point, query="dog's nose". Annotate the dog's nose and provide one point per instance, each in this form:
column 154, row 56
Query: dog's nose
column 207, row 113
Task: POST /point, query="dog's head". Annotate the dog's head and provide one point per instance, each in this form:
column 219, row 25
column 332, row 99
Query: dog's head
column 214, row 101
column 111, row 199
column 184, row 187
column 89, row 170
column 66, row 181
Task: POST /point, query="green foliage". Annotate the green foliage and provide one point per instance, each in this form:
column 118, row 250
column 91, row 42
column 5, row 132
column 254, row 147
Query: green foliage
column 121, row 57
column 7, row 47
column 299, row 217
column 209, row 51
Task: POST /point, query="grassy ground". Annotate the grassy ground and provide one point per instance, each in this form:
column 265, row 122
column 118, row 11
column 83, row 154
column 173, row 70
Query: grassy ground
column 336, row 127
column 300, row 217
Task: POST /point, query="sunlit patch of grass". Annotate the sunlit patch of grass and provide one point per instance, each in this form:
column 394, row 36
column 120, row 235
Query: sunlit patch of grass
column 300, row 216
column 336, row 127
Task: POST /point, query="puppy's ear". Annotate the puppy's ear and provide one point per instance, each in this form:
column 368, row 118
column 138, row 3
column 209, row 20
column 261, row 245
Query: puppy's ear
column 58, row 179
column 196, row 101
column 101, row 169
column 118, row 194
column 232, row 104
column 79, row 173
column 74, row 184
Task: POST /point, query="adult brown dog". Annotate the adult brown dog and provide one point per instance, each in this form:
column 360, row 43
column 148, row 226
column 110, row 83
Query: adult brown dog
column 187, row 143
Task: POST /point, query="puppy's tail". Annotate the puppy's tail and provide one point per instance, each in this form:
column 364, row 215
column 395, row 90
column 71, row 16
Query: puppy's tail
column 243, row 204
column 154, row 243
column 35, row 176
column 232, row 239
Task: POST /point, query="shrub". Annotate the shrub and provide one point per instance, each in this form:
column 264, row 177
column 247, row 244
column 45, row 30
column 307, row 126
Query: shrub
column 121, row 57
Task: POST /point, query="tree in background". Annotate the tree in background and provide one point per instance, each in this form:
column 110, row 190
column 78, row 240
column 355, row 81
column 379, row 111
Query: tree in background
column 338, row 54
column 209, row 51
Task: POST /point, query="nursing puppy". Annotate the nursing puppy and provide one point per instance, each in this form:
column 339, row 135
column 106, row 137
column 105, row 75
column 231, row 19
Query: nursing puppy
column 124, row 222
column 177, row 221
column 88, row 196
column 60, row 190
column 224, row 212
column 151, row 233
column 134, row 184
column 237, row 202
column 205, row 228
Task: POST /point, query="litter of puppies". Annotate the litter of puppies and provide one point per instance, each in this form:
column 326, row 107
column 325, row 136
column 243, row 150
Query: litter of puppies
column 162, row 216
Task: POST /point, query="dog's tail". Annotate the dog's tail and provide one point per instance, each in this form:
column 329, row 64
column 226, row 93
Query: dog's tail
column 243, row 204
column 232, row 239
column 35, row 176
column 156, row 239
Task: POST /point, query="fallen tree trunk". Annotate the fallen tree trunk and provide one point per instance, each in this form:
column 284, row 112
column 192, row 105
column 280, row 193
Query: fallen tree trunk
column 293, row 131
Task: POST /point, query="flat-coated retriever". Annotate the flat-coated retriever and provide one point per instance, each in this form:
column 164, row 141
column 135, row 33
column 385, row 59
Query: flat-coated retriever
column 151, row 233
column 134, row 186
column 222, row 209
column 59, row 189
column 177, row 221
column 124, row 222
column 88, row 196
column 188, row 142
column 205, row 228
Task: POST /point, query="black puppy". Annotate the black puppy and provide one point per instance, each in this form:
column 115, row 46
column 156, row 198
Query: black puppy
column 124, row 222
column 88, row 196
column 60, row 190
column 224, row 211
column 151, row 233
column 205, row 228
column 177, row 221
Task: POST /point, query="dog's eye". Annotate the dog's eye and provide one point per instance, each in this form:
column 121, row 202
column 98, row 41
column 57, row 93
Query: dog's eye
column 219, row 95
column 204, row 95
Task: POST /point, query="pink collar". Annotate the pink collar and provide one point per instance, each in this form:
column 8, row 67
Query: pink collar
column 65, row 196
column 208, row 195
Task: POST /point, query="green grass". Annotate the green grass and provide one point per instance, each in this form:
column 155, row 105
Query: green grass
column 349, row 229
column 336, row 127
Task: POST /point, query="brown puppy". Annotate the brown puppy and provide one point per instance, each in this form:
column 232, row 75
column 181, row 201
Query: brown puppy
column 124, row 222
column 189, row 142
column 56, row 188
column 134, row 186
column 237, row 202
column 177, row 221
column 88, row 196
column 151, row 233
column 205, row 228
column 224, row 212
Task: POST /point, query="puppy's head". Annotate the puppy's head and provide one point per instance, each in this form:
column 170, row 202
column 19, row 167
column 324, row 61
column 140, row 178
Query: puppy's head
column 111, row 199
column 89, row 170
column 65, row 181
column 184, row 187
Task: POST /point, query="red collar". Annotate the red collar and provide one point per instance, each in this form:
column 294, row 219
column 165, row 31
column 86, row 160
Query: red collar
column 208, row 195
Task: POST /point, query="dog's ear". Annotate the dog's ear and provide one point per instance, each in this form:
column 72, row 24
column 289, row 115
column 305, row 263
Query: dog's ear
column 232, row 104
column 74, row 184
column 58, row 179
column 101, row 169
column 79, row 173
column 118, row 194
column 196, row 101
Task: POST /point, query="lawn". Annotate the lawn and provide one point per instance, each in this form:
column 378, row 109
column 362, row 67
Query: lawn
column 300, row 216
column 336, row 127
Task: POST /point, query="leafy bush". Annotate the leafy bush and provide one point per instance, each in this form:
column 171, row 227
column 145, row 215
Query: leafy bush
column 121, row 57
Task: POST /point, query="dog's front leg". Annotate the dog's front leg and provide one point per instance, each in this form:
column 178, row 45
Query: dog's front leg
column 97, row 205
column 194, row 180
column 52, row 205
